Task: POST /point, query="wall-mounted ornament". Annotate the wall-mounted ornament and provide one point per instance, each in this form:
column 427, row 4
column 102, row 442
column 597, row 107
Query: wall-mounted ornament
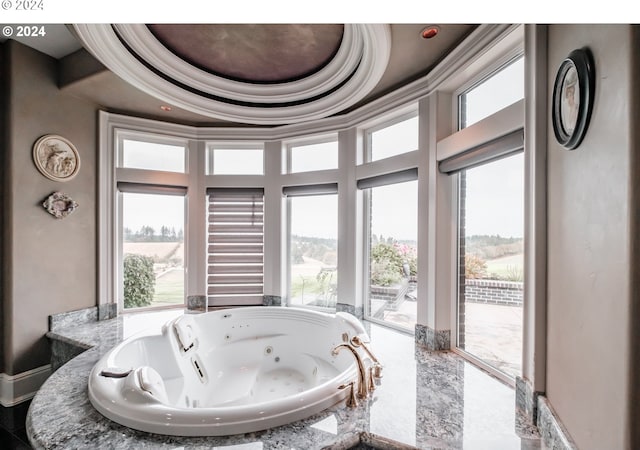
column 573, row 95
column 56, row 157
column 60, row 205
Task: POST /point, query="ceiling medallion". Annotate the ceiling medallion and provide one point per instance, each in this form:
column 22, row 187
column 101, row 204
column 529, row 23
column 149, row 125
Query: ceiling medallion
column 132, row 52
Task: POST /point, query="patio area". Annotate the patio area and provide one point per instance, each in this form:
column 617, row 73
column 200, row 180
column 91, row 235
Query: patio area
column 493, row 333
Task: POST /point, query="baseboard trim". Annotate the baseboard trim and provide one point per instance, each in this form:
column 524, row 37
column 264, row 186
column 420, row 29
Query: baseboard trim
column 18, row 388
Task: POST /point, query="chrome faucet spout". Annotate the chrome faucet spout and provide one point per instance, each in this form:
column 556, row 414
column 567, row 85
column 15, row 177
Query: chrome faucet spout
column 363, row 389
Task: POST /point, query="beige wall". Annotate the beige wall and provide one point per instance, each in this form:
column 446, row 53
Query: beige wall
column 49, row 264
column 589, row 253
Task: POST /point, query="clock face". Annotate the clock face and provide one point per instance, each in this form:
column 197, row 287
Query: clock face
column 573, row 94
column 570, row 100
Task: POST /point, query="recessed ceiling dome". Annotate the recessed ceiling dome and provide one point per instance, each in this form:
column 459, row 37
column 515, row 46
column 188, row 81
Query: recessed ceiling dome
column 266, row 53
column 258, row 74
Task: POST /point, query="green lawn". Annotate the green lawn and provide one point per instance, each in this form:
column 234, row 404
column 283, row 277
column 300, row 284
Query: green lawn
column 506, row 267
column 169, row 288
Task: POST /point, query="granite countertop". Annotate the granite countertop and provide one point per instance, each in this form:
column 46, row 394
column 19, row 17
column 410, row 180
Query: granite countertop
column 425, row 400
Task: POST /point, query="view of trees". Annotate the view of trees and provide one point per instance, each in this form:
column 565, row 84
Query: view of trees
column 148, row 234
column 491, row 247
column 320, row 249
column 494, row 257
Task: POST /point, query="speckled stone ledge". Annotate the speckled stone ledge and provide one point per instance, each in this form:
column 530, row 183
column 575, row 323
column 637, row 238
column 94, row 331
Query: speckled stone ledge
column 526, row 399
column 367, row 441
column 66, row 319
column 197, row 303
column 553, row 433
column 107, row 311
column 272, row 300
column 351, row 309
column 433, row 339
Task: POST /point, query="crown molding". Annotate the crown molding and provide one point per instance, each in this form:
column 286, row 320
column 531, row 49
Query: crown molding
column 464, row 58
column 134, row 54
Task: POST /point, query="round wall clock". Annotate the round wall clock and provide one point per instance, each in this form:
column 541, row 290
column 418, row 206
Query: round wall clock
column 573, row 94
column 56, row 157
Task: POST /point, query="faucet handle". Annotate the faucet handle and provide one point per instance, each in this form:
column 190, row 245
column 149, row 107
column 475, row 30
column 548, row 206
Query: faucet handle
column 370, row 382
column 352, row 401
column 377, row 370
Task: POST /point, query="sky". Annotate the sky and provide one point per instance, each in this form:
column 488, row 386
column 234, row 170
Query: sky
column 154, row 210
column 495, row 198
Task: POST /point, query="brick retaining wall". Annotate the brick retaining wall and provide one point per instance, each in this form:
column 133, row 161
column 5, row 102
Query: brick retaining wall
column 493, row 292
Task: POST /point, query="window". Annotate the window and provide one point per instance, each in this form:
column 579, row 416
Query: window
column 502, row 89
column 392, row 249
column 392, row 140
column 491, row 250
column 310, row 157
column 235, row 246
column 313, row 246
column 153, row 267
column 152, row 156
column 235, row 161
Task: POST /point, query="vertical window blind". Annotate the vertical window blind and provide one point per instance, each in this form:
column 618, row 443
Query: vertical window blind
column 235, row 266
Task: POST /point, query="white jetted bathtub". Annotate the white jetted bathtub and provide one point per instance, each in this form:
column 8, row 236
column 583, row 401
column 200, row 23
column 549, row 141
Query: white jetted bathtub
column 227, row 372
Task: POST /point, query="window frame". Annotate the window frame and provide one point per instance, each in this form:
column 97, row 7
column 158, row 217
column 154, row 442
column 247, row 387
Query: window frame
column 496, row 66
column 211, row 146
column 322, row 192
column 408, row 114
column 150, row 138
column 491, row 127
column 146, row 189
column 366, row 279
column 289, row 145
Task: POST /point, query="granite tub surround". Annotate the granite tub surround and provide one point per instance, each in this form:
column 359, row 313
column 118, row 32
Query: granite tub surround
column 66, row 319
column 357, row 311
column 426, row 400
column 553, row 433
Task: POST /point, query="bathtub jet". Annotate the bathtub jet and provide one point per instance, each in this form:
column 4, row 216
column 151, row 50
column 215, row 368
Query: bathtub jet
column 230, row 371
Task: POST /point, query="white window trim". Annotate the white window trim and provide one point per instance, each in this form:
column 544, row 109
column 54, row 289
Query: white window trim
column 288, row 254
column 408, row 112
column 232, row 145
column 119, row 277
column 121, row 135
column 494, row 126
column 289, row 145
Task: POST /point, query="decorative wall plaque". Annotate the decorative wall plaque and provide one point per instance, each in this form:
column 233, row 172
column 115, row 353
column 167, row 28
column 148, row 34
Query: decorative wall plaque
column 56, row 157
column 60, row 205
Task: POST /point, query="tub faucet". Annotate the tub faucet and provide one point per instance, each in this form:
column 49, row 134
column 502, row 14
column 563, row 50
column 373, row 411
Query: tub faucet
column 377, row 367
column 363, row 389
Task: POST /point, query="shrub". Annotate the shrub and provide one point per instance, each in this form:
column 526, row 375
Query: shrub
column 391, row 261
column 139, row 280
column 474, row 266
column 384, row 274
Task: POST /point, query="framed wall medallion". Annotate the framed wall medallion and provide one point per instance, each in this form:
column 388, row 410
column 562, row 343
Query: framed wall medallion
column 573, row 94
column 56, row 157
